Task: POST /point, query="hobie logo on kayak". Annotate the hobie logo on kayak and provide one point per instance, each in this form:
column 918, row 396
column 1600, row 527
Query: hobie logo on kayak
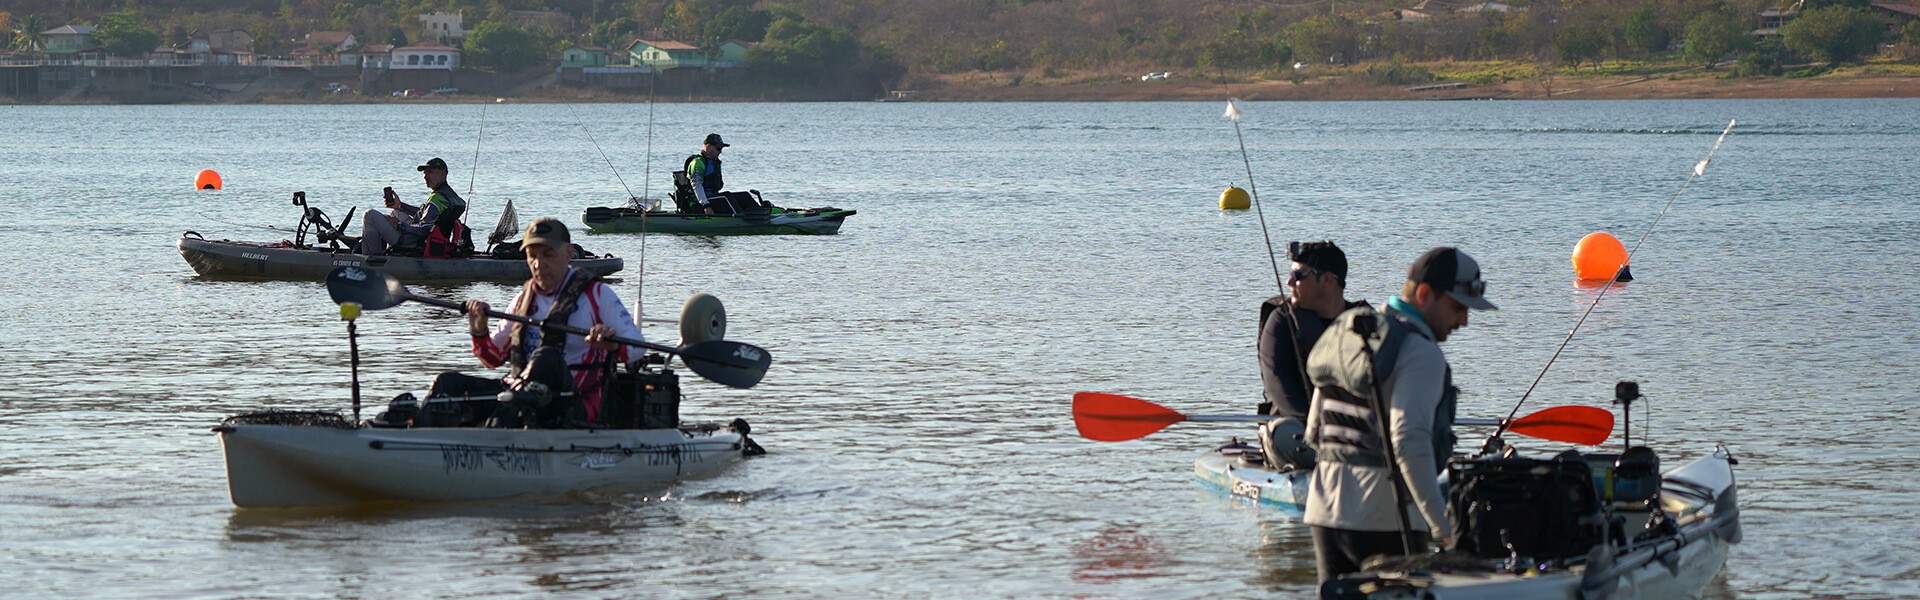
column 747, row 352
column 599, row 460
column 354, row 274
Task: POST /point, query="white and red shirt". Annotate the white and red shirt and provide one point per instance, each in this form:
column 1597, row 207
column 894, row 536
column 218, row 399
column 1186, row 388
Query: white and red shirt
column 597, row 305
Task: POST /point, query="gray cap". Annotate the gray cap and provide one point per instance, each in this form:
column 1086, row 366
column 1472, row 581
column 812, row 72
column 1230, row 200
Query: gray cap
column 1449, row 269
column 548, row 231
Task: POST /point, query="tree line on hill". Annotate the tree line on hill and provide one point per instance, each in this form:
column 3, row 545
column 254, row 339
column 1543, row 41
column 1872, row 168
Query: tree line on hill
column 887, row 40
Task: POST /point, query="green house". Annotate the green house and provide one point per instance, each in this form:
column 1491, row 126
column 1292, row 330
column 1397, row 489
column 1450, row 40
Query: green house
column 67, row 39
column 664, row 55
column 733, row 53
column 583, row 56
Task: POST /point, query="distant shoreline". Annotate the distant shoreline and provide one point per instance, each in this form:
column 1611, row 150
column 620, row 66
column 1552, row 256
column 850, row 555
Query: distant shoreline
column 1685, row 85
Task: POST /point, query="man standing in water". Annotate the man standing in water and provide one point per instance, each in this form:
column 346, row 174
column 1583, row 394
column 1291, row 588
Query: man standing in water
column 1372, row 367
column 1319, row 284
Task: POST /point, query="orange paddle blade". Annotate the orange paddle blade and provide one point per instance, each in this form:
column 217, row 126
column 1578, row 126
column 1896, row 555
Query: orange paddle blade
column 1574, row 424
column 1115, row 418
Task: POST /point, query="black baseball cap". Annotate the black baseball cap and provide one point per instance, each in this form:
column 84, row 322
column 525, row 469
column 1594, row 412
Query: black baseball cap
column 1449, row 269
column 436, row 163
column 713, row 139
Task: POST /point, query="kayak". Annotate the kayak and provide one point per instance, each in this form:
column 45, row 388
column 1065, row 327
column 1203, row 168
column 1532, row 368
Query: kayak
column 281, row 459
column 280, row 260
column 1239, row 471
column 1672, row 551
column 779, row 221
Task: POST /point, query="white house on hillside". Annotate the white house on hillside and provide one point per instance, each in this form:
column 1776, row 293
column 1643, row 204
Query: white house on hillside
column 425, row 57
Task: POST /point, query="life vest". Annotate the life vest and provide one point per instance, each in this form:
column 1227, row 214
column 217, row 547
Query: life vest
column 443, row 241
column 709, row 180
column 1345, row 431
column 578, row 282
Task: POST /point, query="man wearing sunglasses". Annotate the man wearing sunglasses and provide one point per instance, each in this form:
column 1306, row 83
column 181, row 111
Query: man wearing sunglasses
column 1319, row 287
column 1382, row 417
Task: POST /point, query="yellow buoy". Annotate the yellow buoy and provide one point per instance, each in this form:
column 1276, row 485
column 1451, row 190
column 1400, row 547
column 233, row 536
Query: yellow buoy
column 1598, row 256
column 1235, row 199
column 207, row 180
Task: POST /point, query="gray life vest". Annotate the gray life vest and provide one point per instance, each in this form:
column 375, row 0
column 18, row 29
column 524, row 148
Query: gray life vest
column 563, row 307
column 1345, row 433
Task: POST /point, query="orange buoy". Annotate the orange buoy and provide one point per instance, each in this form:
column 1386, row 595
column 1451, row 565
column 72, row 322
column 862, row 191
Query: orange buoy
column 1598, row 256
column 206, row 180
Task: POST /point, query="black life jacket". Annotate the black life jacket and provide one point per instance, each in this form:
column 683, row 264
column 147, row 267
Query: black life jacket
column 711, row 182
column 576, row 286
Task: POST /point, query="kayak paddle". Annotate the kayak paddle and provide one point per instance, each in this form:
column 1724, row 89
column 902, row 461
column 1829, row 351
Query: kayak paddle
column 1114, row 418
column 725, row 362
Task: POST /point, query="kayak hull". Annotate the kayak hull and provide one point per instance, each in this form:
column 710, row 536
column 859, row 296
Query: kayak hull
column 1701, row 496
column 305, row 465
column 812, row 221
column 1222, row 471
column 245, row 260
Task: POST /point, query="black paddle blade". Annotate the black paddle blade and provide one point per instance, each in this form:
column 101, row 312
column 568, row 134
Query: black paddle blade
column 728, row 363
column 371, row 288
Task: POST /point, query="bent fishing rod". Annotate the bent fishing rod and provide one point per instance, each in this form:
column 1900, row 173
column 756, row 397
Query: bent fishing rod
column 1699, row 170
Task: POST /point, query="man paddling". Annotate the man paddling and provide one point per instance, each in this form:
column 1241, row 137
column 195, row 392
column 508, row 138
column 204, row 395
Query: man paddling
column 563, row 294
column 1387, row 365
column 1319, row 284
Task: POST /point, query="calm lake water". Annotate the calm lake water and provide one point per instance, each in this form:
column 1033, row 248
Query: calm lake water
column 1005, row 256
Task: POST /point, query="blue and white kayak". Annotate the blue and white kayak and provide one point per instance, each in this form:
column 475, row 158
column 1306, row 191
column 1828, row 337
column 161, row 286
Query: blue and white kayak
column 1238, row 471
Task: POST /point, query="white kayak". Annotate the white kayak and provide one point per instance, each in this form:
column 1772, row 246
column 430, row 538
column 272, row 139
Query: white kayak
column 1678, row 562
column 1238, row 471
column 310, row 459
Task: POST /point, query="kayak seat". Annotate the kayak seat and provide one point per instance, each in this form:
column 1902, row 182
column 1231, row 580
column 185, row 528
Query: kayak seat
column 683, row 198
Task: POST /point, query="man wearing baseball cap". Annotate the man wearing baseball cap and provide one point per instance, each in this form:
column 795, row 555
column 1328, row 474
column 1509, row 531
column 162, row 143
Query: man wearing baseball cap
column 431, row 227
column 1383, row 407
column 1289, row 327
column 703, row 172
column 558, row 292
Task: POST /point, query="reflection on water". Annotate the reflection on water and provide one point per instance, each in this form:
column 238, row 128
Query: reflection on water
column 1005, row 257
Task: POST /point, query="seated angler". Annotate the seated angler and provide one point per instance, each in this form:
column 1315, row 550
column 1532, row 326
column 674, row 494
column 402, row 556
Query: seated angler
column 703, row 176
column 562, row 294
column 1319, row 285
column 431, row 227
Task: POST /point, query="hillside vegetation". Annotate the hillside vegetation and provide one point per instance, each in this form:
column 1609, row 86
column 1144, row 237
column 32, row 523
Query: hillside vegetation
column 901, row 43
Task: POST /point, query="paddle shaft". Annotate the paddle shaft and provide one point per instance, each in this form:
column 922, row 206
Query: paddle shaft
column 1461, row 421
column 541, row 323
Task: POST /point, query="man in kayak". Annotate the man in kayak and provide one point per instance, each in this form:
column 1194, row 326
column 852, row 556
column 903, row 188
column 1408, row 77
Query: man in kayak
column 556, row 291
column 1319, row 284
column 1371, row 366
column 703, row 172
column 433, row 225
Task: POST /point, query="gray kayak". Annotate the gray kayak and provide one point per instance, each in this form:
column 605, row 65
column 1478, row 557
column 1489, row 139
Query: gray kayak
column 250, row 260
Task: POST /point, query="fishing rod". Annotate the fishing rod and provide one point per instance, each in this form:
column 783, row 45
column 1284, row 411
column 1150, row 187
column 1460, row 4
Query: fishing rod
column 639, row 293
column 1293, row 321
column 474, row 171
column 1699, row 170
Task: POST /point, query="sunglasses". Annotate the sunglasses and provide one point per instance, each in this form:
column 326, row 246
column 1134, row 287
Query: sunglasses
column 1476, row 287
column 1303, row 273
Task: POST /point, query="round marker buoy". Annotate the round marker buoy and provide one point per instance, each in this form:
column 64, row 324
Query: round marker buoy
column 1599, row 256
column 208, row 179
column 1235, row 199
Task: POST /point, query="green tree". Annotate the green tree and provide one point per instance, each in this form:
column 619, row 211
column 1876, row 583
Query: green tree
column 501, row 46
column 1578, row 44
column 1712, row 35
column 1908, row 48
column 615, row 33
column 1644, row 32
column 1834, row 34
column 122, row 34
column 737, row 23
column 397, row 37
column 1324, row 38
